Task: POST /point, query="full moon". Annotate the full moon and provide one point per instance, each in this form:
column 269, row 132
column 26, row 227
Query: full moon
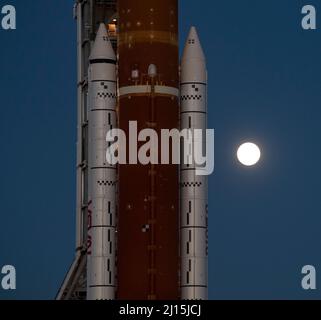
column 249, row 154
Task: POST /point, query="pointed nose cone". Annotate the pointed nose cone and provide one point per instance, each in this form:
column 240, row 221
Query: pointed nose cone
column 193, row 65
column 102, row 48
column 193, row 48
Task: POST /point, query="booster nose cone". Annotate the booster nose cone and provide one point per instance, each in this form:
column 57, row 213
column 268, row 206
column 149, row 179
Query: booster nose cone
column 193, row 48
column 102, row 48
column 193, row 64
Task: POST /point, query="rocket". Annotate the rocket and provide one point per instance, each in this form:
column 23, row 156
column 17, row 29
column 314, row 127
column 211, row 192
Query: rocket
column 102, row 178
column 193, row 188
column 141, row 229
column 148, row 224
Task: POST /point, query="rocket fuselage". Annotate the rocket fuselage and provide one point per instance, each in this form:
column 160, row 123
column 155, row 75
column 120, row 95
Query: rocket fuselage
column 102, row 177
column 148, row 216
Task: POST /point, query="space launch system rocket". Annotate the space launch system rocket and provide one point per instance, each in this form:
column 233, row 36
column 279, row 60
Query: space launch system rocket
column 146, row 226
column 148, row 230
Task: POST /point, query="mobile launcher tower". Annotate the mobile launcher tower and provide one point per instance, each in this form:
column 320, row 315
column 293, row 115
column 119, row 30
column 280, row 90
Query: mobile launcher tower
column 141, row 229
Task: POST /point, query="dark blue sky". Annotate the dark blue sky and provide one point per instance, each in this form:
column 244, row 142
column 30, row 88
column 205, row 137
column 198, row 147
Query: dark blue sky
column 265, row 86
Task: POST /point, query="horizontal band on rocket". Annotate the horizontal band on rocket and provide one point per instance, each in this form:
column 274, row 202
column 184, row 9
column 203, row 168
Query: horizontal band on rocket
column 147, row 89
column 188, row 83
column 189, row 169
column 203, row 112
column 96, row 168
column 193, row 286
column 148, row 95
column 108, row 110
column 193, row 227
column 102, row 286
column 111, row 81
column 99, row 227
column 110, row 61
column 132, row 37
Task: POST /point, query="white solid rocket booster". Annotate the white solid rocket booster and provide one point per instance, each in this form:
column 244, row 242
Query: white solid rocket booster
column 193, row 188
column 102, row 177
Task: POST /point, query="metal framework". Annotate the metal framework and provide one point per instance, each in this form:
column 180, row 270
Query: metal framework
column 89, row 14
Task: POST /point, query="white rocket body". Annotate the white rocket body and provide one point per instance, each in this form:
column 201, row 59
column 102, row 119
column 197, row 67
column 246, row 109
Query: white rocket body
column 102, row 182
column 193, row 188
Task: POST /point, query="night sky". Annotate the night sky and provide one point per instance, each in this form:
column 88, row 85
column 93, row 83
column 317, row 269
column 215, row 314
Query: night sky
column 264, row 86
